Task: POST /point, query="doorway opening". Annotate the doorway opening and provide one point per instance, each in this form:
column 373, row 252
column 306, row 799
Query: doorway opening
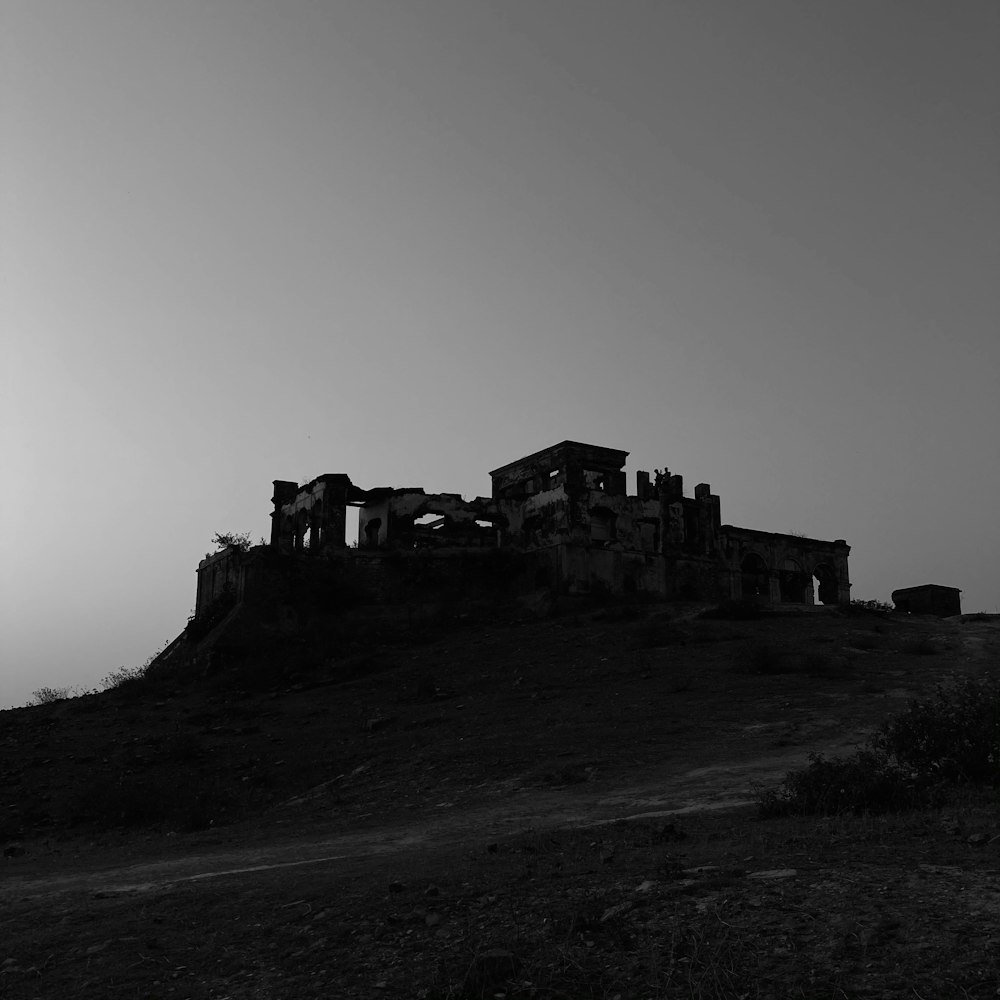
column 754, row 578
column 825, row 584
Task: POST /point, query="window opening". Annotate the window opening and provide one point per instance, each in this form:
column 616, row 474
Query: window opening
column 433, row 521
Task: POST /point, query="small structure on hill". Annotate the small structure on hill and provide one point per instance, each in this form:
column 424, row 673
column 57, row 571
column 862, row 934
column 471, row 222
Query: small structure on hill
column 928, row 599
column 561, row 518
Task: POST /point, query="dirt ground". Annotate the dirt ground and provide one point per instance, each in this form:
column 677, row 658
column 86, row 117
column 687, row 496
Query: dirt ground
column 503, row 806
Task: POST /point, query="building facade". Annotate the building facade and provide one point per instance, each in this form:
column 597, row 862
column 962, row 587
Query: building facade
column 567, row 515
column 928, row 599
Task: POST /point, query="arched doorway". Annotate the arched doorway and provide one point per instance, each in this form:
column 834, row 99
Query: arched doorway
column 754, row 578
column 825, row 583
column 372, row 529
column 792, row 580
column 301, row 529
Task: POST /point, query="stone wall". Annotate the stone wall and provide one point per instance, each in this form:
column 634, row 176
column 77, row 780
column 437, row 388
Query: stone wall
column 567, row 506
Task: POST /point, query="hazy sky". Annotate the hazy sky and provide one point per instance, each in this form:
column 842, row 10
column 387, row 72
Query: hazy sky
column 754, row 241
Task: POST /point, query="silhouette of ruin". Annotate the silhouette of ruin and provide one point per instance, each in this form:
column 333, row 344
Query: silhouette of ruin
column 560, row 519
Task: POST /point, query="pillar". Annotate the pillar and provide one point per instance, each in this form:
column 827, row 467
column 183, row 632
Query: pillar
column 284, row 492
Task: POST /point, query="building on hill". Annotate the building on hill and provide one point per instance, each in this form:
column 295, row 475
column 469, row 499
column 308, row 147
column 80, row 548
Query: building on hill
column 564, row 518
column 928, row 599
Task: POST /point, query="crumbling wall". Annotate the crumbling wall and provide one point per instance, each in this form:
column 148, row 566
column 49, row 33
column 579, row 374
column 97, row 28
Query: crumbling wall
column 219, row 574
column 411, row 518
column 775, row 568
column 313, row 516
column 568, row 508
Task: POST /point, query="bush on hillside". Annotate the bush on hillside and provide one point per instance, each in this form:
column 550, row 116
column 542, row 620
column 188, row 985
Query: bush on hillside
column 881, row 607
column 869, row 782
column 949, row 739
column 952, row 736
column 48, row 696
column 51, row 695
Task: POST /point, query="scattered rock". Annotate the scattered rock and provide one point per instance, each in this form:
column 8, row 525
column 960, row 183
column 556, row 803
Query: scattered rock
column 397, row 887
column 774, row 873
column 940, row 869
column 978, row 839
column 14, row 851
column 616, row 911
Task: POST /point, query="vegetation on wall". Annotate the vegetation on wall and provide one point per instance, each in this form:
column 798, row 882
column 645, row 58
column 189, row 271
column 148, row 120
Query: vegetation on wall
column 233, row 540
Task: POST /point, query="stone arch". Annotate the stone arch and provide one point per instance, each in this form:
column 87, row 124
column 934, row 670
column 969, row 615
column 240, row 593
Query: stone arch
column 792, row 580
column 827, row 583
column 754, row 578
column 301, row 527
column 372, row 530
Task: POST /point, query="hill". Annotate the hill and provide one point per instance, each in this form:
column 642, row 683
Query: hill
column 499, row 803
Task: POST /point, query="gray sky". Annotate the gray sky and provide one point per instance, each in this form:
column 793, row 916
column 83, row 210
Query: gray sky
column 756, row 242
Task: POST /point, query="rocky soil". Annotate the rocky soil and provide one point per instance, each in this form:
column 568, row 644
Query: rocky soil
column 499, row 806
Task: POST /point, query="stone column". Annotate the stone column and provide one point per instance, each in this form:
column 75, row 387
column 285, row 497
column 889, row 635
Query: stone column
column 284, row 492
column 336, row 487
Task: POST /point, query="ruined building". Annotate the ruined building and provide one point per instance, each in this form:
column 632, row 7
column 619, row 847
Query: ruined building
column 562, row 518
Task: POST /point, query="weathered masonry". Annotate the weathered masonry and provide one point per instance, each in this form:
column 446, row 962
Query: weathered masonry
column 928, row 599
column 565, row 517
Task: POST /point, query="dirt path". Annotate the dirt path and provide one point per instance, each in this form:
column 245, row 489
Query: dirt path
column 719, row 786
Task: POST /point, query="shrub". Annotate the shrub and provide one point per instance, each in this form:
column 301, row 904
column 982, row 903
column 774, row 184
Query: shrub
column 878, row 606
column 48, row 696
column 868, row 781
column 952, row 736
column 949, row 739
column 232, row 540
column 123, row 676
column 133, row 680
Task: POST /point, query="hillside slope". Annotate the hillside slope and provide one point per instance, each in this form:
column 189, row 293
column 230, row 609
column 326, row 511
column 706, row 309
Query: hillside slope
column 497, row 804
